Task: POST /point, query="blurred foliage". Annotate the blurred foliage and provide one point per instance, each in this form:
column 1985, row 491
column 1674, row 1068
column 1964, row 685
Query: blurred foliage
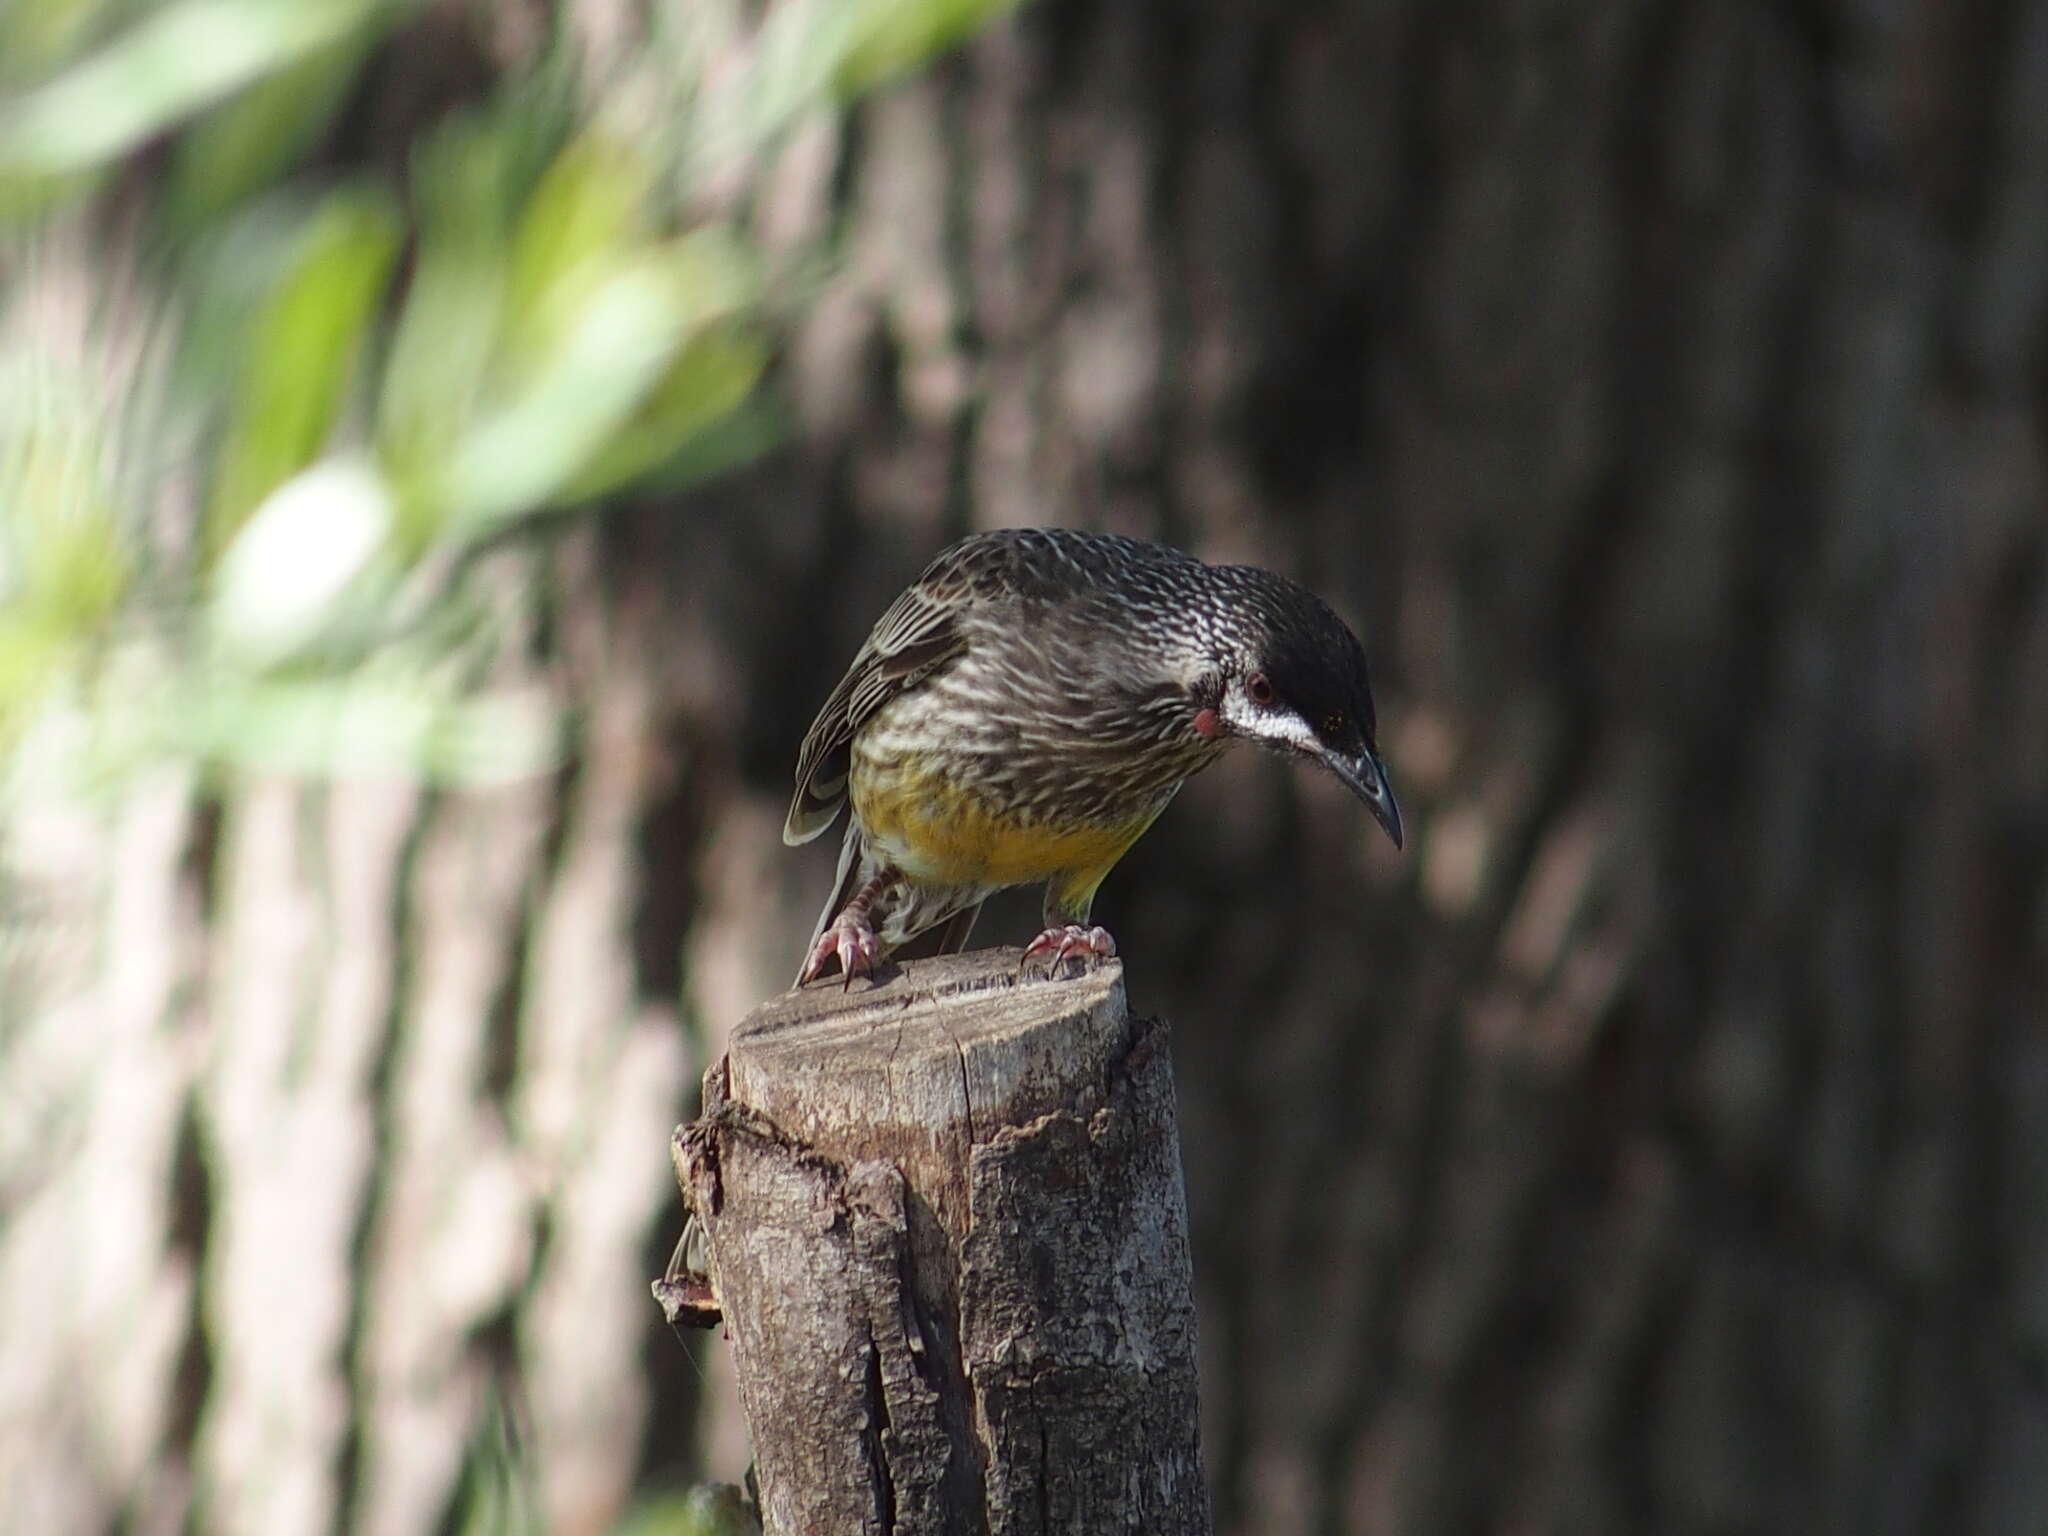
column 716, row 1509
column 245, row 500
column 310, row 338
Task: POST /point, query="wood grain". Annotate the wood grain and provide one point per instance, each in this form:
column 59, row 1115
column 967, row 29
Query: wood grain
column 948, row 1233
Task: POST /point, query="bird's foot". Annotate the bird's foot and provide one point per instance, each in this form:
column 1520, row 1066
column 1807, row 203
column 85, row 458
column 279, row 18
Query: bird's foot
column 1055, row 945
column 850, row 941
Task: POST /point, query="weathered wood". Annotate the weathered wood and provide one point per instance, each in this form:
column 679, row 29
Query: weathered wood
column 946, row 1226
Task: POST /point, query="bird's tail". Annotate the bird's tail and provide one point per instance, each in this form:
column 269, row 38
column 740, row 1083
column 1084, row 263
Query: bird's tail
column 853, row 872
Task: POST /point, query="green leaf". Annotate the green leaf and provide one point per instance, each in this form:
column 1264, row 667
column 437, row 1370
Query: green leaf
column 76, row 568
column 710, row 1509
column 38, row 35
column 586, row 215
column 609, row 368
column 468, row 182
column 169, row 65
column 64, row 557
column 893, row 37
column 785, row 72
column 251, row 140
column 34, row 655
column 303, row 353
column 612, row 355
column 435, row 382
column 366, row 722
column 710, row 379
column 757, row 426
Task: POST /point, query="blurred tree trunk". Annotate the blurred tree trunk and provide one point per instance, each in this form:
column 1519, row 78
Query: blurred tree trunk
column 1655, row 1146
column 335, row 1178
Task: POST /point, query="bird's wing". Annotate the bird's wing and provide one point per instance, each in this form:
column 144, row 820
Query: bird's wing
column 853, row 873
column 918, row 634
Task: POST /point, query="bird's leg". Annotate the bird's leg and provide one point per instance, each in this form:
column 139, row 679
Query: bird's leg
column 1091, row 944
column 850, row 937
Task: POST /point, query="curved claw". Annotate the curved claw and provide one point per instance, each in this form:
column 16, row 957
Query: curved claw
column 1092, row 945
column 850, row 941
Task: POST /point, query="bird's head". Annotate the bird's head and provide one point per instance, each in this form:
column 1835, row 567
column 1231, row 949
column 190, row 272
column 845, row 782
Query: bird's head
column 1293, row 678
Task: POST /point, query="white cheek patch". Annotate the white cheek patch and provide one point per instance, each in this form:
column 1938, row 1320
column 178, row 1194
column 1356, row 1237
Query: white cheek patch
column 1238, row 713
column 1281, row 727
column 1290, row 730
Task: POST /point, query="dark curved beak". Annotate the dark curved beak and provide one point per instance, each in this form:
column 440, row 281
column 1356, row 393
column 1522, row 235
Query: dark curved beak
column 1366, row 777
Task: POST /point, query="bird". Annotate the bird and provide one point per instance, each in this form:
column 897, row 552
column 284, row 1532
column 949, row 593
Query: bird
column 1028, row 706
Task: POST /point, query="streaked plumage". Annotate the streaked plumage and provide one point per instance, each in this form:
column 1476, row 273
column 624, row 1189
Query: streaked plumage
column 1031, row 703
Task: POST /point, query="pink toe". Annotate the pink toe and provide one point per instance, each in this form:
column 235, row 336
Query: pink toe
column 1056, row 945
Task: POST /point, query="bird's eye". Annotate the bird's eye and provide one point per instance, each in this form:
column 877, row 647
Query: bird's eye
column 1260, row 687
column 1333, row 723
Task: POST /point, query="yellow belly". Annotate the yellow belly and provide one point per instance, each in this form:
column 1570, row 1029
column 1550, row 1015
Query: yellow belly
column 933, row 832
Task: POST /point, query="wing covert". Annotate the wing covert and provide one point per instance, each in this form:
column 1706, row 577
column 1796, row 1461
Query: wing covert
column 917, row 635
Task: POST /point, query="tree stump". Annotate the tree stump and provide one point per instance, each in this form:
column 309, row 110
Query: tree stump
column 947, row 1232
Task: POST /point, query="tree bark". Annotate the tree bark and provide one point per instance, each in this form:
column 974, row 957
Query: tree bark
column 1653, row 1145
column 341, row 1145
column 947, row 1230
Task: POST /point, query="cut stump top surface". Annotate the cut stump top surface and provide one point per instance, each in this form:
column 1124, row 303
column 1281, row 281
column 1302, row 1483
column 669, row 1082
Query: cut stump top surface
column 930, row 1059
